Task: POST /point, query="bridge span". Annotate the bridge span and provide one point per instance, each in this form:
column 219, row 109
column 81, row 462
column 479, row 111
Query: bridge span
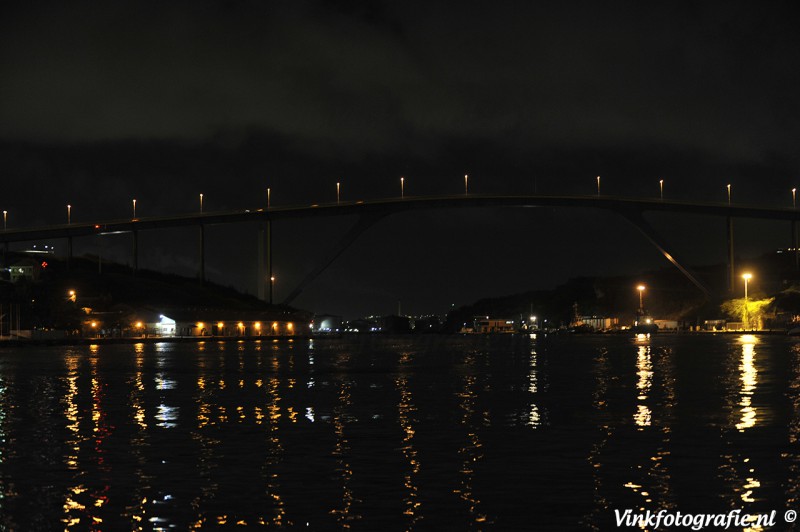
column 370, row 212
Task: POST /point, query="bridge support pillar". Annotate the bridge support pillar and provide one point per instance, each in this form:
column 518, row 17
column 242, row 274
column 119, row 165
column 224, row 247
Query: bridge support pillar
column 265, row 262
column 135, row 252
column 202, row 254
column 731, row 272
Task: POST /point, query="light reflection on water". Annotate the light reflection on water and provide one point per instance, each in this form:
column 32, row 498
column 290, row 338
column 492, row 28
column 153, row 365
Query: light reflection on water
column 400, row 433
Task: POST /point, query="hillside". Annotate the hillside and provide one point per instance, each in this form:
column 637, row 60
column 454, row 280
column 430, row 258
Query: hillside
column 668, row 294
column 56, row 295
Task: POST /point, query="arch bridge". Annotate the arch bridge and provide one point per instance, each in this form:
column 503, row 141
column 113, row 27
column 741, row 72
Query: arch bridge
column 370, row 212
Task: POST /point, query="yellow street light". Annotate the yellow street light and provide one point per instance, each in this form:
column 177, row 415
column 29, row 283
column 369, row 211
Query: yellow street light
column 466, row 185
column 201, row 203
column 661, row 186
column 746, row 277
column 5, row 220
column 729, row 193
column 641, row 289
column 69, row 214
column 134, row 208
column 794, row 198
column 337, row 192
column 402, row 191
column 598, row 185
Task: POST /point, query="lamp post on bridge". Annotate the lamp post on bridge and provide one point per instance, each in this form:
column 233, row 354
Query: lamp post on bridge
column 402, row 183
column 5, row 220
column 466, row 185
column 794, row 198
column 201, row 203
column 661, row 186
column 729, row 194
column 598, row 185
column 69, row 214
column 641, row 289
column 134, row 208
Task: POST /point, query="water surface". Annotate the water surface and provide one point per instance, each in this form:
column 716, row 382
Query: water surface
column 397, row 433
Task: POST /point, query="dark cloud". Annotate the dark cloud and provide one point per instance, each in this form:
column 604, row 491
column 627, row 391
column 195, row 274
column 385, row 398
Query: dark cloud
column 364, row 78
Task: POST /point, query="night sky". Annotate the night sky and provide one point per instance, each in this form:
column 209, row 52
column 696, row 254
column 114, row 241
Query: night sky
column 103, row 102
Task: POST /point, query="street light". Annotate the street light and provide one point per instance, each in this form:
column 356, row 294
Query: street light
column 201, row 203
column 402, row 190
column 337, row 192
column 729, row 193
column 641, row 289
column 466, row 185
column 69, row 214
column 661, row 185
column 794, row 198
column 134, row 208
column 268, row 196
column 598, row 185
column 746, row 277
column 5, row 220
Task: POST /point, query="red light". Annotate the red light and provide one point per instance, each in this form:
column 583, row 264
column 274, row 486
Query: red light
column 44, row 264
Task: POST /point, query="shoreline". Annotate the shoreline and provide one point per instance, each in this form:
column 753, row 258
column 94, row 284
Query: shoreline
column 73, row 341
column 22, row 342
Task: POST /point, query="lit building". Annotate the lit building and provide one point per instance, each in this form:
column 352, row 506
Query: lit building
column 25, row 268
column 327, row 323
column 222, row 323
column 485, row 325
column 596, row 323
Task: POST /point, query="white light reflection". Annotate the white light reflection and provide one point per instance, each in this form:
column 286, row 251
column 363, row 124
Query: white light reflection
column 164, row 383
column 534, row 417
column 644, row 367
column 167, row 416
